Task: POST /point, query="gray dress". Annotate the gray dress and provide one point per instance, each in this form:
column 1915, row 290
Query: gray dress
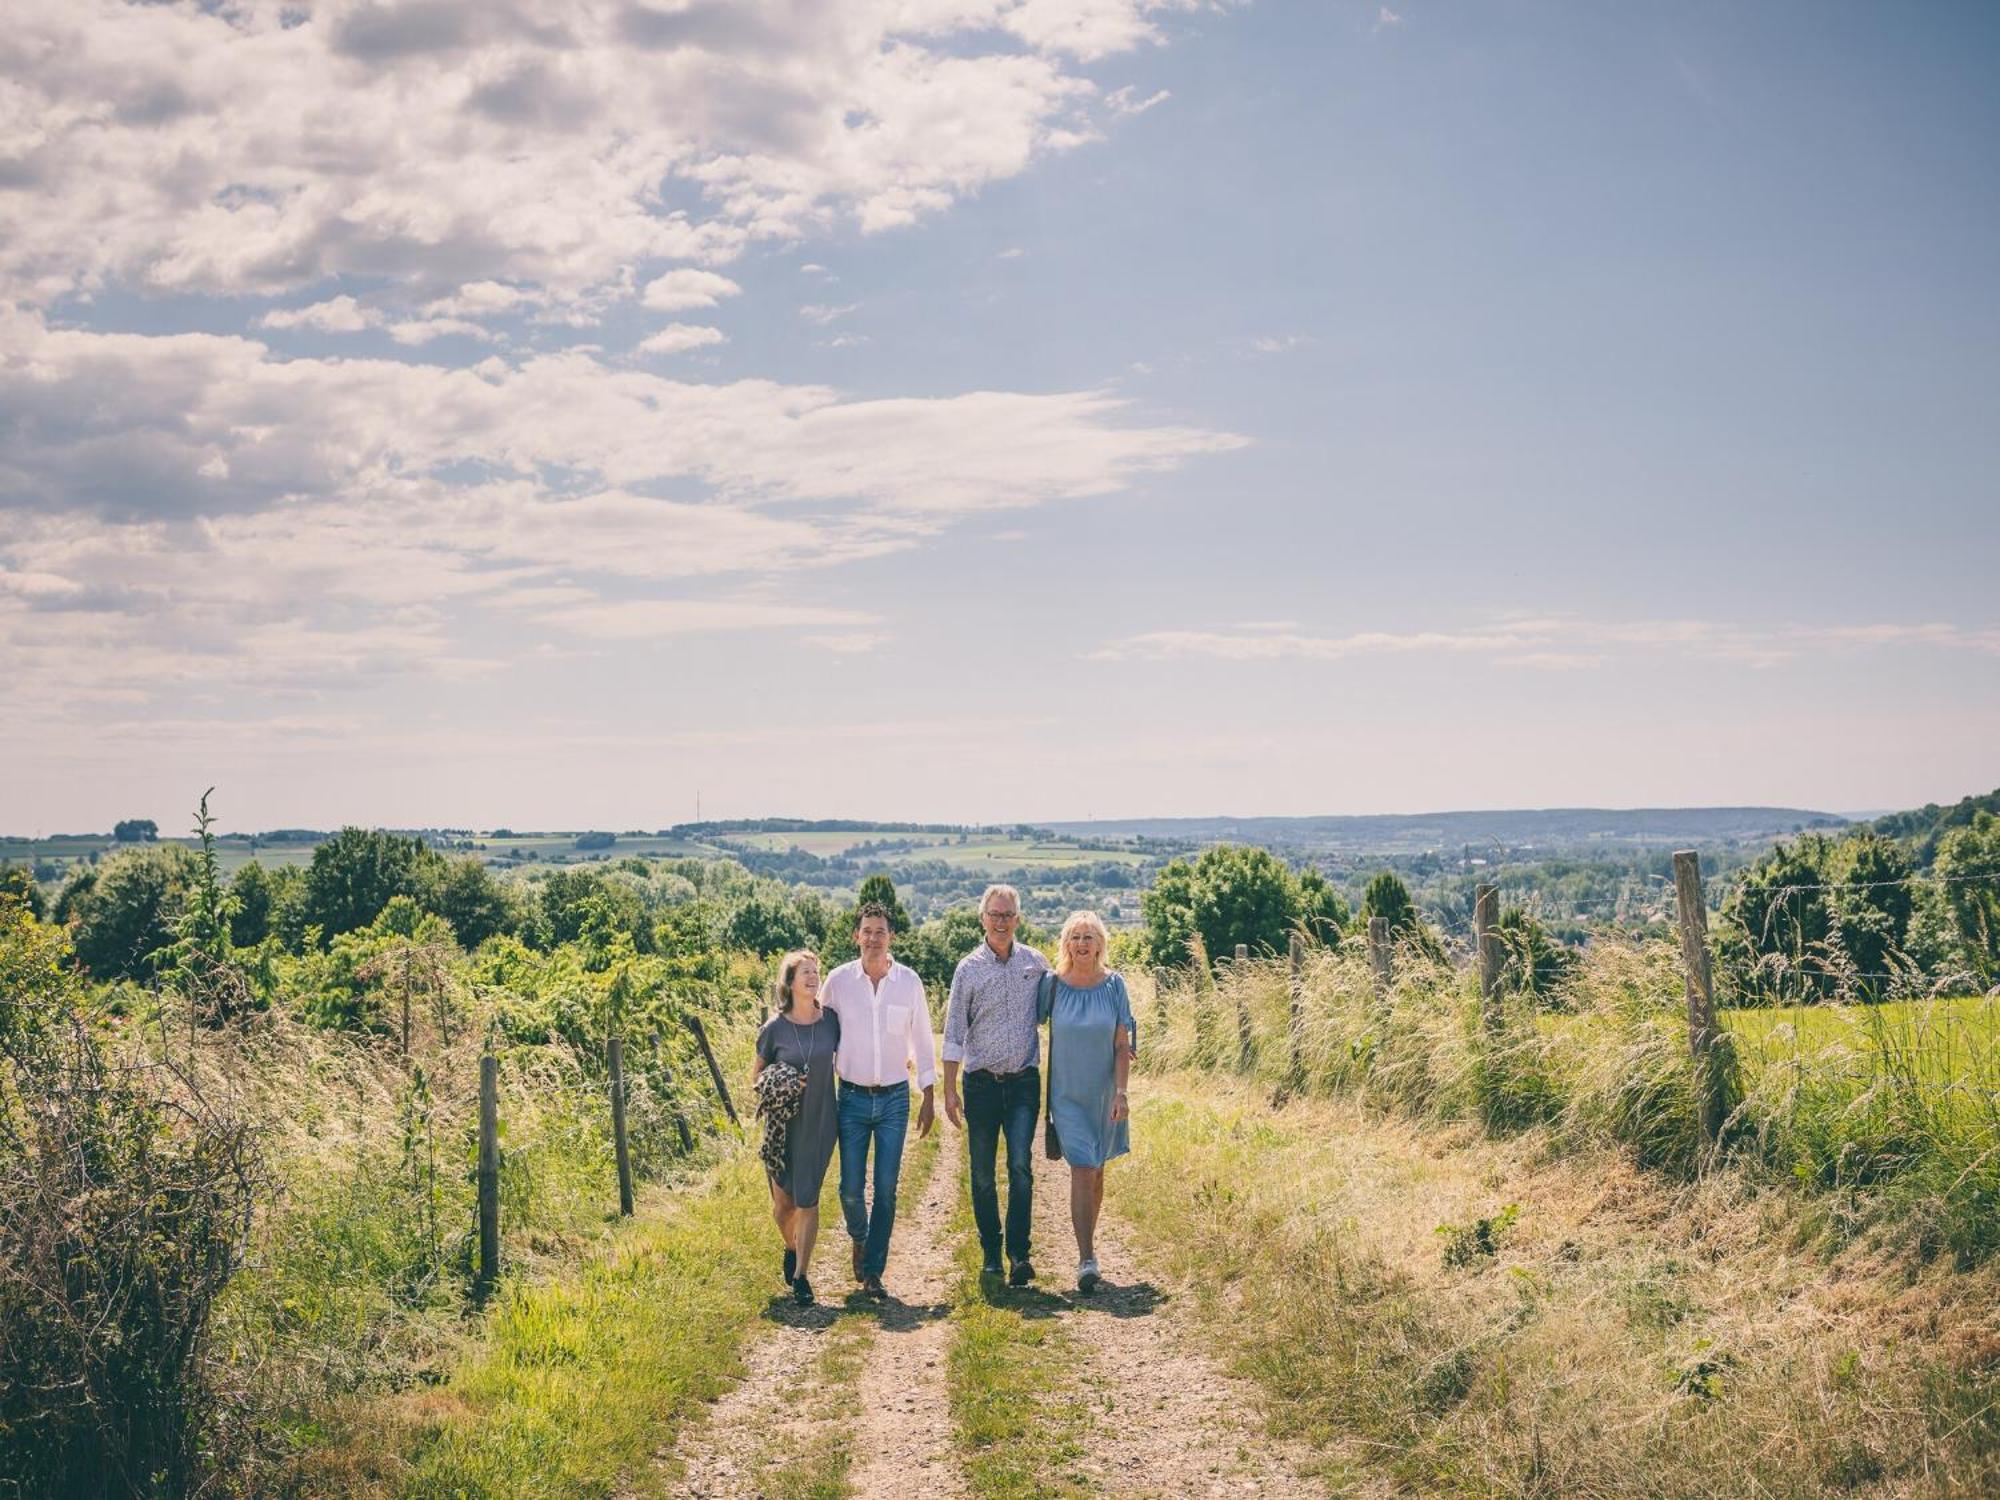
column 809, row 1143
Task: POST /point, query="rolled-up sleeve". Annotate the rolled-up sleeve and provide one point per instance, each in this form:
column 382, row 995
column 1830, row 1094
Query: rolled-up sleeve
column 923, row 1049
column 955, row 1014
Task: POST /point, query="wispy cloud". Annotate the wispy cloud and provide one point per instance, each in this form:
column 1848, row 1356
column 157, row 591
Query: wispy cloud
column 825, row 313
column 679, row 291
column 1552, row 644
column 1126, row 100
column 675, row 338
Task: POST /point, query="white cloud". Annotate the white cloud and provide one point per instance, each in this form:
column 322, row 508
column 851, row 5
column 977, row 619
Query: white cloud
column 423, row 330
column 1126, row 100
column 824, row 313
column 539, row 145
column 1386, row 17
column 677, row 291
column 242, row 522
column 336, row 315
column 1558, row 644
column 678, row 337
column 849, row 642
column 1279, row 343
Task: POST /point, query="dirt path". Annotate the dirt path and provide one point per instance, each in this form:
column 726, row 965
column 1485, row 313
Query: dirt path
column 901, row 1411
column 889, row 1409
column 1171, row 1421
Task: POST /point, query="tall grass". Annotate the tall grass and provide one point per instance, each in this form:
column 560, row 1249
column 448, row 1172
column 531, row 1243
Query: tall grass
column 1899, row 1131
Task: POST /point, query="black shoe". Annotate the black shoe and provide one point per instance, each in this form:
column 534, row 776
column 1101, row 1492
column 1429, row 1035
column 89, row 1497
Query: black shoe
column 791, row 1263
column 1022, row 1273
column 992, row 1265
column 802, row 1291
column 873, row 1290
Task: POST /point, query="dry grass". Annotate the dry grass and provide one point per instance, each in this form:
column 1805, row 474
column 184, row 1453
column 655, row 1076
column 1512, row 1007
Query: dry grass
column 1627, row 1334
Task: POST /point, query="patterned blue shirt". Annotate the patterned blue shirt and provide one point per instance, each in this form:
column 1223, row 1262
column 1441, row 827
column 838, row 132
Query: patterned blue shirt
column 989, row 1024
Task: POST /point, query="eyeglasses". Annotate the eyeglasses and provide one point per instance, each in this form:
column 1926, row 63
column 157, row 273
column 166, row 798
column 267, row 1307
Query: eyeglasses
column 1003, row 916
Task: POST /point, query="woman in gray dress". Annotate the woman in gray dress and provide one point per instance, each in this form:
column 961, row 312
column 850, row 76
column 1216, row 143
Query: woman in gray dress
column 802, row 1036
column 1091, row 1035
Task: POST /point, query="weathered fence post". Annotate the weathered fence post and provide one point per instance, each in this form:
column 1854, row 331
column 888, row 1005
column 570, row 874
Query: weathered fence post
column 489, row 1172
column 1378, row 959
column 714, row 1072
column 1693, row 907
column 1245, row 1040
column 615, row 1055
column 1160, row 1001
column 1204, row 1002
column 673, row 1103
column 1486, row 928
column 1298, row 999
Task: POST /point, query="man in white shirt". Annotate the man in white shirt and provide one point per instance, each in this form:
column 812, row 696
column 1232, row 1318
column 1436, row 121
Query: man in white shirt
column 885, row 1031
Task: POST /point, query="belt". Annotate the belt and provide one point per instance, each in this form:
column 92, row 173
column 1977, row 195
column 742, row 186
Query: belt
column 876, row 1088
column 999, row 1077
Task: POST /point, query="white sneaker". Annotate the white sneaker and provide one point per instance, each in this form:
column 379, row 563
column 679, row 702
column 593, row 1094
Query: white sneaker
column 1086, row 1276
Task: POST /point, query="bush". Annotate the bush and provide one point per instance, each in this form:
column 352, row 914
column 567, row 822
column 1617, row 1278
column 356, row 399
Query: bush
column 125, row 1201
column 123, row 914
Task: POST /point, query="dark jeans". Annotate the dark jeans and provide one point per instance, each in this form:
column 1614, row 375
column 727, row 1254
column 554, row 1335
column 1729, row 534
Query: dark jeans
column 994, row 1106
column 883, row 1118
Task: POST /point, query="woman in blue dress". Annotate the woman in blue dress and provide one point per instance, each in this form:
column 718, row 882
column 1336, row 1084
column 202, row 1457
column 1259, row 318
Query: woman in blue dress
column 1091, row 1039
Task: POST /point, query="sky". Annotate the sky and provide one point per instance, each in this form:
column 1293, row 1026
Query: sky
column 592, row 413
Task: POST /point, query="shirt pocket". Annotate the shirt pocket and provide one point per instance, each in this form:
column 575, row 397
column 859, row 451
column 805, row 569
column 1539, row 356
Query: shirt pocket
column 896, row 1020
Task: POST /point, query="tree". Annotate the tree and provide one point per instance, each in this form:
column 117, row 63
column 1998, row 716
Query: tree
column 255, row 890
column 1872, row 903
column 17, row 883
column 1782, row 915
column 1168, row 911
column 768, row 922
column 136, row 831
column 1968, row 870
column 1322, row 912
column 1231, row 894
column 355, row 873
column 123, row 913
column 880, row 889
column 1243, row 895
column 464, row 892
column 573, row 902
column 1388, row 898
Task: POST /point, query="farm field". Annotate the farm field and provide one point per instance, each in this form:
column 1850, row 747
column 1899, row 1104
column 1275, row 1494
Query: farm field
column 1953, row 1040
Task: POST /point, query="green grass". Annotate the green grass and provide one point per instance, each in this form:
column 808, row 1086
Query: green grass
column 581, row 1380
column 1013, row 1382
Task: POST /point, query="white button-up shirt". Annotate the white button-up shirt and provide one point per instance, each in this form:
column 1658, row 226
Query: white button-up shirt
column 885, row 1029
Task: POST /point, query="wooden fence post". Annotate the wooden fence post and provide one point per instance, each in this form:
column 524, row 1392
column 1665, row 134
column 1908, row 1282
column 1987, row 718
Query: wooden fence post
column 1379, row 961
column 489, row 1172
column 1204, row 1002
column 1160, row 1001
column 1245, row 1040
column 714, row 1072
column 1298, row 999
column 1486, row 928
column 673, row 1103
column 615, row 1055
column 1693, row 908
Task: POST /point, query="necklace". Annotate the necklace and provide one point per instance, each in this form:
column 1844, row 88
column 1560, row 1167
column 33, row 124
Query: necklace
column 805, row 1037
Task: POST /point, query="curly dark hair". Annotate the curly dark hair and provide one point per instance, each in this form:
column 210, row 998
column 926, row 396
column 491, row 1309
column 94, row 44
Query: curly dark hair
column 874, row 909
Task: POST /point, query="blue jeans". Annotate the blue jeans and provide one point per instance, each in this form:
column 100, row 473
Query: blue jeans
column 883, row 1118
column 995, row 1107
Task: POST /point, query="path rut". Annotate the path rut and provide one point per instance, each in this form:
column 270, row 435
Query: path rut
column 896, row 1419
column 1170, row 1420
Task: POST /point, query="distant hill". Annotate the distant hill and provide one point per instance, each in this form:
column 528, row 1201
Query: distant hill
column 1554, row 827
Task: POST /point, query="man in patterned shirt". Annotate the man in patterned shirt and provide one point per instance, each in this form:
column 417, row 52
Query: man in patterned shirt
column 989, row 1031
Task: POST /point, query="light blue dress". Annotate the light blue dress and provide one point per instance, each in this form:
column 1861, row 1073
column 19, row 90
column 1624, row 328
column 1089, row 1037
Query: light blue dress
column 1083, row 1037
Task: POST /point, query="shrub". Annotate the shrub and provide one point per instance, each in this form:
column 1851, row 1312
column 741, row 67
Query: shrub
column 125, row 1200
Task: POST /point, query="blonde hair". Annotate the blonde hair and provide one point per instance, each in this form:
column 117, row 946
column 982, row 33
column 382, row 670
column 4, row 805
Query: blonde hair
column 788, row 972
column 1076, row 920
